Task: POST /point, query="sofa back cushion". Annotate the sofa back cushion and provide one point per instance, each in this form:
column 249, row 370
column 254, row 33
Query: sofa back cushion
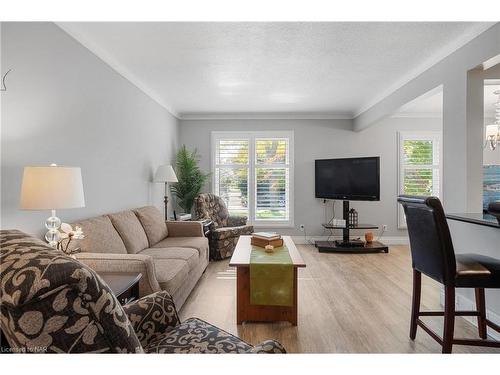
column 100, row 237
column 131, row 231
column 153, row 222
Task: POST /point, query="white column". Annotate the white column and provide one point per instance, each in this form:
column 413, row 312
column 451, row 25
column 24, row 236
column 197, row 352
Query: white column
column 454, row 162
column 475, row 131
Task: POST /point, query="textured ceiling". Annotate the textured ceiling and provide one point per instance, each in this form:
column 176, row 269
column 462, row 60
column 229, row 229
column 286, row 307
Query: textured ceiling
column 319, row 68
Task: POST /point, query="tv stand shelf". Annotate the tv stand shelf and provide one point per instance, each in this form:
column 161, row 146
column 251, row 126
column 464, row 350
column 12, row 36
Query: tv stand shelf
column 352, row 226
column 332, row 247
column 347, row 245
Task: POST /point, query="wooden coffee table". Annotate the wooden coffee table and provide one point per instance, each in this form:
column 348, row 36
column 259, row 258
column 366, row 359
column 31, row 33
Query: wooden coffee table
column 259, row 313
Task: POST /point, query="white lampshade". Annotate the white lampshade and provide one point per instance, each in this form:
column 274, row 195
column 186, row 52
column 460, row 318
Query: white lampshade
column 165, row 173
column 51, row 188
column 492, row 130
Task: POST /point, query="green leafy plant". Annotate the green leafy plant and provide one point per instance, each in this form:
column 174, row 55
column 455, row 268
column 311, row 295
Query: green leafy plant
column 191, row 178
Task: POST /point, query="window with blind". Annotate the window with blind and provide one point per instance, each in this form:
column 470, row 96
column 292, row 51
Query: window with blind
column 419, row 166
column 253, row 175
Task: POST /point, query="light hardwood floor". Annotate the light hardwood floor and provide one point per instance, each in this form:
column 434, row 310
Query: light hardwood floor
column 348, row 303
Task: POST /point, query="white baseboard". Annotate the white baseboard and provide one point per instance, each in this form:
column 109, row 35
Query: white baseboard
column 388, row 240
column 463, row 303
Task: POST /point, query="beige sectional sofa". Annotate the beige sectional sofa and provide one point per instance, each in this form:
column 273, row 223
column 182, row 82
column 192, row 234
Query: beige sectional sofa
column 171, row 255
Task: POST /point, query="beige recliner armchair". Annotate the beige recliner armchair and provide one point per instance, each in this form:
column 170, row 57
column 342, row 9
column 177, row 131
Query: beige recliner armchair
column 226, row 229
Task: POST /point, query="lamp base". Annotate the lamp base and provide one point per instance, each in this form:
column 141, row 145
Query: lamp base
column 52, row 224
column 165, row 200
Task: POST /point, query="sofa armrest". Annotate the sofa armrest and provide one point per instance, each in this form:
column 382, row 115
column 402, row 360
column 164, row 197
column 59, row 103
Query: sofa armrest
column 236, row 221
column 126, row 263
column 185, row 229
column 152, row 316
column 268, row 347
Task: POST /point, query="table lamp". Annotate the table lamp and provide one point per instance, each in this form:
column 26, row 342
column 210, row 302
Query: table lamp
column 51, row 188
column 165, row 174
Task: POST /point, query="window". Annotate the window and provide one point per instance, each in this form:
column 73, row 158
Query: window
column 419, row 166
column 253, row 174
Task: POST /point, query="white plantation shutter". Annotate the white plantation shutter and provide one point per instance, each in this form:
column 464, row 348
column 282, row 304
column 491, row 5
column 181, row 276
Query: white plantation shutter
column 253, row 174
column 232, row 151
column 419, row 166
column 272, row 179
column 231, row 174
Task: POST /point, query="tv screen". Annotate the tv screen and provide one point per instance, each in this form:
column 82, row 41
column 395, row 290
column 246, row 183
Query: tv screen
column 354, row 179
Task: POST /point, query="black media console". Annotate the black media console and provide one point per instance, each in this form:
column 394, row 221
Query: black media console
column 346, row 245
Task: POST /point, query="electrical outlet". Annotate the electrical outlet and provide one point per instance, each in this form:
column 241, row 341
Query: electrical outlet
column 302, row 227
column 384, row 227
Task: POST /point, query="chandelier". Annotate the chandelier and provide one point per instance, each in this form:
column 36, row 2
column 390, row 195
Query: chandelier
column 493, row 130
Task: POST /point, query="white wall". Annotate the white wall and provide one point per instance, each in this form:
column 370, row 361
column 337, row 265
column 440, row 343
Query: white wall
column 316, row 139
column 65, row 106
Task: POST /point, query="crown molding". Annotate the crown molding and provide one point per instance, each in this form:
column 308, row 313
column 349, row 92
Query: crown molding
column 491, row 62
column 115, row 65
column 417, row 115
column 266, row 116
column 412, row 74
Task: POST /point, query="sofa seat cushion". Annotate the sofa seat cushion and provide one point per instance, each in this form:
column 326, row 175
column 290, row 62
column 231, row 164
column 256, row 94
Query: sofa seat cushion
column 100, row 237
column 230, row 232
column 131, row 231
column 153, row 222
column 171, row 273
column 190, row 255
column 198, row 243
column 197, row 336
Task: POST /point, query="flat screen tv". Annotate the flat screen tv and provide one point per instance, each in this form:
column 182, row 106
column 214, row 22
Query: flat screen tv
column 352, row 179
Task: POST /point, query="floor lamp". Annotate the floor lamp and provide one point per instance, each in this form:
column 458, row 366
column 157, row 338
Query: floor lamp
column 165, row 174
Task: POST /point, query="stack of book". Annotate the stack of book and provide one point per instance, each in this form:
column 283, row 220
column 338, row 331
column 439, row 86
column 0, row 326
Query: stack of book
column 263, row 239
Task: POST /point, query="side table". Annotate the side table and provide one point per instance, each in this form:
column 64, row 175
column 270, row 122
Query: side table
column 125, row 286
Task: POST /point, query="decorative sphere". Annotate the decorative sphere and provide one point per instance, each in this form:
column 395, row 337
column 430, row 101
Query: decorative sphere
column 52, row 222
column 52, row 237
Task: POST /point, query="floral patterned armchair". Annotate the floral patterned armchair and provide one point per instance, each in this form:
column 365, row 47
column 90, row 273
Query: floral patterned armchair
column 226, row 229
column 50, row 302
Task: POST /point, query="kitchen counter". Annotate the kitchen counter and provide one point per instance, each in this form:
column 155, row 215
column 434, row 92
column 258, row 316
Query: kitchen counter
column 475, row 218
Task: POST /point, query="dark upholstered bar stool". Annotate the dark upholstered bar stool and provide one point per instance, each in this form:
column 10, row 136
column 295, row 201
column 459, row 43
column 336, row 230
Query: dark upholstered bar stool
column 433, row 255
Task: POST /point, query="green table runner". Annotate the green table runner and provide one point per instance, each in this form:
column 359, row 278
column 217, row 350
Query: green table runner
column 271, row 277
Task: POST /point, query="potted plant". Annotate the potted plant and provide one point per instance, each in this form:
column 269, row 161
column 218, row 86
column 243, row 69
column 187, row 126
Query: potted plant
column 191, row 178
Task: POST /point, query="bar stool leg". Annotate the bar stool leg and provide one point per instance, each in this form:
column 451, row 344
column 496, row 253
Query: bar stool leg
column 449, row 318
column 481, row 307
column 415, row 306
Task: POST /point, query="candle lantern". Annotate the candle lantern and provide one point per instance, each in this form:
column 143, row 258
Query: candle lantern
column 353, row 217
